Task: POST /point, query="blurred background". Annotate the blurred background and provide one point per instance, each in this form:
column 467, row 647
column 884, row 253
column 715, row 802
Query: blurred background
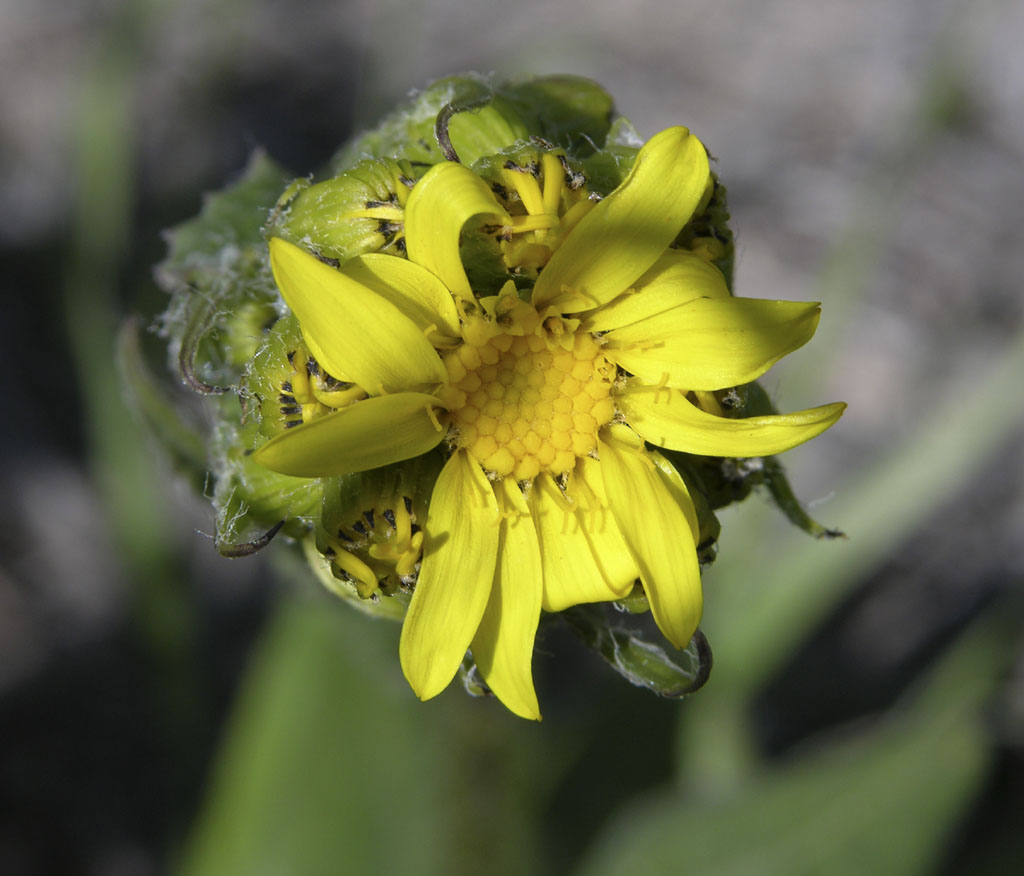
column 164, row 710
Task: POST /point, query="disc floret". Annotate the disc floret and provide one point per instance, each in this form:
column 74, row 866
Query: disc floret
column 528, row 394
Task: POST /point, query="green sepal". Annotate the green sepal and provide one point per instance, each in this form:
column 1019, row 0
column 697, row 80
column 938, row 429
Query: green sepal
column 324, row 216
column 568, row 111
column 482, row 128
column 487, row 117
column 635, row 651
column 249, row 499
column 472, row 681
column 609, row 166
column 774, row 477
column 222, row 292
column 488, row 125
column 710, row 527
column 481, row 257
column 266, row 377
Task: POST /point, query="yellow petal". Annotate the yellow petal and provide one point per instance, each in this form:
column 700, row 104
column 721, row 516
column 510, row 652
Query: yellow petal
column 650, row 512
column 368, row 434
column 624, row 235
column 676, row 277
column 667, row 418
column 712, row 343
column 459, row 552
column 412, row 289
column 571, row 572
column 503, row 644
column 675, row 484
column 351, row 330
column 586, row 491
column 444, row 200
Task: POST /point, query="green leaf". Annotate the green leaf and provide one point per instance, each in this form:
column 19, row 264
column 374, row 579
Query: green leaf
column 883, row 801
column 882, row 805
column 317, row 765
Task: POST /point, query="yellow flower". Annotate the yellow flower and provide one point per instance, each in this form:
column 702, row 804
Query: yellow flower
column 546, row 401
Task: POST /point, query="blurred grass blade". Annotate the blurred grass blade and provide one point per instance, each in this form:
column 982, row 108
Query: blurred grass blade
column 762, row 609
column 883, row 802
column 325, row 769
column 879, row 805
column 182, row 439
column 104, row 132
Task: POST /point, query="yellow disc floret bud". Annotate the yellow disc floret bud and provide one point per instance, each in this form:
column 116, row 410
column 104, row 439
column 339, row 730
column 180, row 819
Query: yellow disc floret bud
column 528, row 398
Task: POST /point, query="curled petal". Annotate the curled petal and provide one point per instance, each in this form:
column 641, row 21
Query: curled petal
column 658, row 530
column 712, row 343
column 667, row 418
column 503, row 644
column 353, row 332
column 368, row 434
column 624, row 234
column 444, row 200
column 412, row 289
column 675, row 278
column 459, row 553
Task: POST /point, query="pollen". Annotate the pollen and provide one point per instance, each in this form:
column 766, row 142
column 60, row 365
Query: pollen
column 544, row 399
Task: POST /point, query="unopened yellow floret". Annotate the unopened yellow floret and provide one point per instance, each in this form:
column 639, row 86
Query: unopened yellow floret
column 527, row 403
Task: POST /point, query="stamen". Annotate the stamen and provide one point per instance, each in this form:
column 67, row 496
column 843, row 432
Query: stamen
column 365, row 580
column 709, row 402
column 526, row 186
column 534, row 222
column 402, row 522
column 576, row 212
column 553, row 182
column 663, row 385
column 406, row 564
column 433, row 418
column 339, row 398
column 300, row 379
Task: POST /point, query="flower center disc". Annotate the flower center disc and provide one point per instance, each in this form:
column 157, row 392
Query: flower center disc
column 531, row 402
